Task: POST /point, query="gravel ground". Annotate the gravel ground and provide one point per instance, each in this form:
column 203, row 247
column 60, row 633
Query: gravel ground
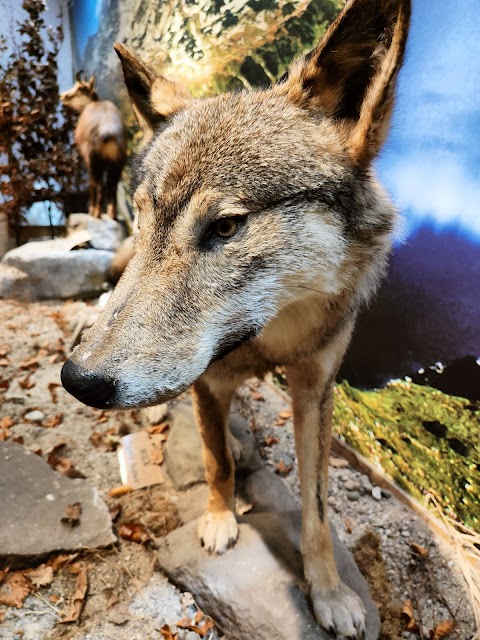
column 125, row 576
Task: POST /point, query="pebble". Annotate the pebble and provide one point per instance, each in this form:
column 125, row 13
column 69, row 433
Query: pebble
column 35, row 416
column 386, row 493
column 376, row 493
column 405, row 533
column 353, row 496
column 331, row 501
column 351, row 485
column 191, row 635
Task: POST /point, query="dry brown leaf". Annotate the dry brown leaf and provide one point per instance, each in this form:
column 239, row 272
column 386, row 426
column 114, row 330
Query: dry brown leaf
column 73, row 612
column 443, row 629
column 52, row 387
column 60, row 561
column 167, row 633
column 30, row 363
column 285, row 414
column 102, row 416
column 419, row 550
column 348, row 524
column 115, row 510
column 279, row 422
column 72, row 514
column 409, row 617
column 158, row 428
column 17, row 439
column 256, row 395
column 26, row 383
column 63, row 466
column 107, row 440
column 15, row 588
column 268, row 442
column 6, row 422
column 49, row 423
column 282, row 469
column 4, row 362
column 4, row 350
column 192, row 625
column 337, row 463
column 121, row 490
column 133, row 531
column 40, row 576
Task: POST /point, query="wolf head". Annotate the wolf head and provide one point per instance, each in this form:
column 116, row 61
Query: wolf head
column 246, row 203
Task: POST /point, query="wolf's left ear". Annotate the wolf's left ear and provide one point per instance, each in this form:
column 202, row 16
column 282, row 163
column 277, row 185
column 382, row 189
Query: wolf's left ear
column 155, row 98
column 351, row 75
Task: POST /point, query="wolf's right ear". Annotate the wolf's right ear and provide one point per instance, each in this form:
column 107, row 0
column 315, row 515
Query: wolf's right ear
column 155, row 98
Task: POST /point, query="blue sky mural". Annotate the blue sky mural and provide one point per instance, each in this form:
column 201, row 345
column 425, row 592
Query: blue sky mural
column 431, row 163
column 86, row 18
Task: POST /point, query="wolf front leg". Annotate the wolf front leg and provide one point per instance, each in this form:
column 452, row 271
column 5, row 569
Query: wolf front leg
column 218, row 528
column 337, row 608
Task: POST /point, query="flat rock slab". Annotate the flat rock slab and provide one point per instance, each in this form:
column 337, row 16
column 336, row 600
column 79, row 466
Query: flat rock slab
column 256, row 590
column 53, row 271
column 105, row 233
column 34, row 498
column 183, row 450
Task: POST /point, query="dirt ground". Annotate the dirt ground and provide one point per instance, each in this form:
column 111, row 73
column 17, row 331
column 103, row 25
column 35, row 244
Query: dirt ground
column 414, row 579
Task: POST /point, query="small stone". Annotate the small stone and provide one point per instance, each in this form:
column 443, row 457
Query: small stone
column 376, row 493
column 353, row 496
column 386, row 493
column 331, row 501
column 191, row 635
column 351, row 485
column 35, row 416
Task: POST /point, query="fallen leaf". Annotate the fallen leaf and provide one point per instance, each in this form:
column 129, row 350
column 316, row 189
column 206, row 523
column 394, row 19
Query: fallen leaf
column 121, row 490
column 15, row 589
column 52, row 387
column 134, row 532
column 102, row 416
column 201, row 629
column 337, row 463
column 30, row 363
column 6, row 422
column 72, row 514
column 4, row 350
column 57, row 562
column 418, row 549
column 158, row 428
column 17, row 439
column 49, row 423
column 282, row 469
column 26, row 383
column 268, row 442
column 409, row 617
column 167, row 633
column 40, row 576
column 115, row 510
column 64, row 466
column 107, row 440
column 279, row 422
column 256, row 395
column 286, row 414
column 113, row 596
column 4, row 362
column 348, row 524
column 443, row 629
column 73, row 612
column 187, row 599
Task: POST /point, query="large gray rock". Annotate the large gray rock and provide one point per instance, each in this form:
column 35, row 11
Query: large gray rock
column 34, row 498
column 256, row 590
column 266, row 491
column 105, row 233
column 15, row 284
column 53, row 271
column 183, row 450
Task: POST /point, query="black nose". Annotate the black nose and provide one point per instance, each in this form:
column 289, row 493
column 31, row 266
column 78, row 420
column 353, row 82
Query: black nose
column 94, row 389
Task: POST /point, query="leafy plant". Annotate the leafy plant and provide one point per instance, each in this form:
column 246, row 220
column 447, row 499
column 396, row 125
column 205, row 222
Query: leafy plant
column 38, row 159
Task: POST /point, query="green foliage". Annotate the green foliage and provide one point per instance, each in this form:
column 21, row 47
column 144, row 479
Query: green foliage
column 38, row 161
column 425, row 439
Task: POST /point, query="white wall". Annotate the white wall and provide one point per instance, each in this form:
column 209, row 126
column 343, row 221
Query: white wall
column 11, row 12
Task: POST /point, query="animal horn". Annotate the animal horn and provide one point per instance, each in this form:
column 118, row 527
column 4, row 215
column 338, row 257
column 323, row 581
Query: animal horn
column 78, row 76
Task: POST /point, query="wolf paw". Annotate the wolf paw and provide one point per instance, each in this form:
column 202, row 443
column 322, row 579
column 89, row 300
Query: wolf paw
column 235, row 446
column 218, row 530
column 340, row 612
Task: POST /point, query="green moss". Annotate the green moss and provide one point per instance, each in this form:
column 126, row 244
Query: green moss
column 425, row 439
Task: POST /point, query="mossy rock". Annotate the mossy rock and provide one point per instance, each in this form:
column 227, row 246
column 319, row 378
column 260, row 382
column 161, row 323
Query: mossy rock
column 424, row 439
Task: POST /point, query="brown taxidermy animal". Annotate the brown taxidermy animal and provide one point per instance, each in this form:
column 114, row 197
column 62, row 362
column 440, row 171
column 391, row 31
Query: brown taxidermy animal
column 101, row 140
column 260, row 231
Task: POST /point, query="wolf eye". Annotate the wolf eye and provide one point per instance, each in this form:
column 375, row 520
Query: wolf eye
column 225, row 227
